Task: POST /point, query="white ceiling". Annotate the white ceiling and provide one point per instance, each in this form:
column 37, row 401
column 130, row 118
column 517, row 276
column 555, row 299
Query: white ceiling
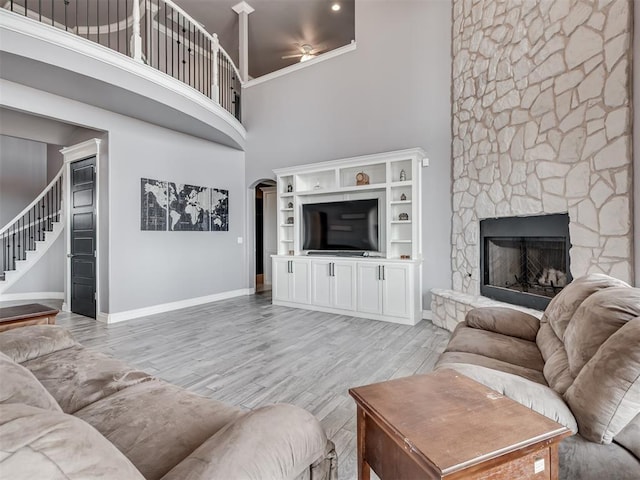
column 276, row 28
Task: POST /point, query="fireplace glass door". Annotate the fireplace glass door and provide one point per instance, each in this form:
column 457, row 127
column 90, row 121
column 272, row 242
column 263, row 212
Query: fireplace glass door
column 535, row 265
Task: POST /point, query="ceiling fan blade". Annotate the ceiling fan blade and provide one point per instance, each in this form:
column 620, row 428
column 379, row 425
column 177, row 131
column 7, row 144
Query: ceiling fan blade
column 297, row 55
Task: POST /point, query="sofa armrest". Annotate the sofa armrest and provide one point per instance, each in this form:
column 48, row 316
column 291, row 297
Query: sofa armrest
column 26, row 343
column 271, row 442
column 507, row 321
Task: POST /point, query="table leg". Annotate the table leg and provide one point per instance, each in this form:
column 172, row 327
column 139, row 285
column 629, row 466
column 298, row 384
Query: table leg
column 364, row 471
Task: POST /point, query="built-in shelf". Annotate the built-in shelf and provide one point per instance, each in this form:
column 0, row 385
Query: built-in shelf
column 337, row 180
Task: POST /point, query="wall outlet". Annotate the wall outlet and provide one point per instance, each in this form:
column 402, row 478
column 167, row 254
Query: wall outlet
column 240, row 240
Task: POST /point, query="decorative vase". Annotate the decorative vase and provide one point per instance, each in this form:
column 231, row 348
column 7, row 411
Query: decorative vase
column 403, row 216
column 403, row 197
column 403, row 176
column 362, row 178
column 289, row 188
column 290, row 205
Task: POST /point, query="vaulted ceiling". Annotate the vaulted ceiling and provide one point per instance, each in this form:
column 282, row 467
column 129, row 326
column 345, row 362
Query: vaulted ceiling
column 277, row 28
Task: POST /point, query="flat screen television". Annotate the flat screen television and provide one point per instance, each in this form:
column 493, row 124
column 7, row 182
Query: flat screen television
column 343, row 225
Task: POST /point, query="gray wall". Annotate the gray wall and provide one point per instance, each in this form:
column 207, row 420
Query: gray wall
column 392, row 92
column 636, row 139
column 23, row 174
column 54, row 161
column 151, row 268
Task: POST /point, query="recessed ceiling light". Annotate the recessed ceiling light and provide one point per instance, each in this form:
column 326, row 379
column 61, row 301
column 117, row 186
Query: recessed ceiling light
column 335, row 7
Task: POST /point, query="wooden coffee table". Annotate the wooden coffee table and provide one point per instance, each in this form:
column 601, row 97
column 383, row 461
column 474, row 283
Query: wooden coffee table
column 23, row 315
column 447, row 426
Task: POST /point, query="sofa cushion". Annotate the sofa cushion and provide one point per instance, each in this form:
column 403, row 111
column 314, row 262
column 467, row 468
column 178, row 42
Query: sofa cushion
column 495, row 345
column 37, row 444
column 605, row 396
column 629, row 436
column 24, row 343
column 506, row 321
column 77, row 377
column 538, row 398
column 583, row 460
column 563, row 306
column 156, row 425
column 597, row 318
column 20, row 386
column 555, row 321
column 448, row 358
column 267, row 443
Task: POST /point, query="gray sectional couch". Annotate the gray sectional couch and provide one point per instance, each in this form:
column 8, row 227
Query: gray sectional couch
column 67, row 412
column 579, row 365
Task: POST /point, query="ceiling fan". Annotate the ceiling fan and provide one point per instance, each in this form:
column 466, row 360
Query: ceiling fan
column 307, row 52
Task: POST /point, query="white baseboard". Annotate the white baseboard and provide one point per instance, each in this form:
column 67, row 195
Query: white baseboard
column 12, row 297
column 427, row 315
column 168, row 307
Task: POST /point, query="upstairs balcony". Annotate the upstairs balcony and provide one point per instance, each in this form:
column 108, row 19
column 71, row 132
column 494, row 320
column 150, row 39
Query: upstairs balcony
column 147, row 59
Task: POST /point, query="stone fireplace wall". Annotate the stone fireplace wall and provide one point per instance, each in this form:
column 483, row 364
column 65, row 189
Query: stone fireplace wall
column 542, row 124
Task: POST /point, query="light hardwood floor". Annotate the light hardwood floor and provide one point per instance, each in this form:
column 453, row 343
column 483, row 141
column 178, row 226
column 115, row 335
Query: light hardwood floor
column 247, row 352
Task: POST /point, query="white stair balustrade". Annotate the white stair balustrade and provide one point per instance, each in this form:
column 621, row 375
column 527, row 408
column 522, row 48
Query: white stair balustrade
column 26, row 238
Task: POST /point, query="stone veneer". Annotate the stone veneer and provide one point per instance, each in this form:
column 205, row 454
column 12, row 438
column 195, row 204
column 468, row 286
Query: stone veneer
column 541, row 124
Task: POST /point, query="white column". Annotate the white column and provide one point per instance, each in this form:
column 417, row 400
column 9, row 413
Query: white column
column 243, row 9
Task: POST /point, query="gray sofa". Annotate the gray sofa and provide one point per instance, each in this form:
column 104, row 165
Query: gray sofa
column 67, row 412
column 579, row 365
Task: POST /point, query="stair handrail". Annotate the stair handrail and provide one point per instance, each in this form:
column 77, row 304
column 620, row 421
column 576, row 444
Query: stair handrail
column 35, row 202
column 137, row 16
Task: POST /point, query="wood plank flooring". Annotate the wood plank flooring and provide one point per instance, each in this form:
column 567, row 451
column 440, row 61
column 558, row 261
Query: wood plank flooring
column 248, row 353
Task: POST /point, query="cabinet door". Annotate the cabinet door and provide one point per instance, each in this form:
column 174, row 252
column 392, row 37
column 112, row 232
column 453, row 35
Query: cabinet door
column 344, row 285
column 281, row 279
column 396, row 290
column 369, row 288
column 301, row 278
column 321, row 282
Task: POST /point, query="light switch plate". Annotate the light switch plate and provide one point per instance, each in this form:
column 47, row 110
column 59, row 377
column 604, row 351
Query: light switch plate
column 538, row 465
column 425, row 162
column 240, row 240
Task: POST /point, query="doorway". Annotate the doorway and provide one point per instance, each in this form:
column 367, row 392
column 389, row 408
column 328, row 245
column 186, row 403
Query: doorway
column 82, row 183
column 265, row 231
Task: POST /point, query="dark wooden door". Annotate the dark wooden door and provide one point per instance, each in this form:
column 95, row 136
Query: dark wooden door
column 83, row 237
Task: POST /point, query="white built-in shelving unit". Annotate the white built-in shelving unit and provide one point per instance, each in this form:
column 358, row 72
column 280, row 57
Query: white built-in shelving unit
column 395, row 180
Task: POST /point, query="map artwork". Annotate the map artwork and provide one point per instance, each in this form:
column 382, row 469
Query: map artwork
column 188, row 208
column 219, row 210
column 153, row 209
column 181, row 207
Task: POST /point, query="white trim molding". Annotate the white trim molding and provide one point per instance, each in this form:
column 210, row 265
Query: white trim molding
column 300, row 65
column 12, row 297
column 171, row 306
column 243, row 7
column 427, row 315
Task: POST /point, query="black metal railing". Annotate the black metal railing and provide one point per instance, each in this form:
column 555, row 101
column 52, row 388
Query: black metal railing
column 229, row 87
column 30, row 226
column 156, row 32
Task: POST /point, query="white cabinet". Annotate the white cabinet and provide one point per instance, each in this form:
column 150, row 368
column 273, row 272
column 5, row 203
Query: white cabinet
column 373, row 288
column 333, row 284
column 291, row 282
column 396, row 285
column 385, row 289
column 369, row 288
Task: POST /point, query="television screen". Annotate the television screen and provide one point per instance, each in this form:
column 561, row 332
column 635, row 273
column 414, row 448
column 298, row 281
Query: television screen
column 345, row 225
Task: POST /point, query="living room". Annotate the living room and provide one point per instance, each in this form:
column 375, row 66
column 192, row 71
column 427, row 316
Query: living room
column 330, row 110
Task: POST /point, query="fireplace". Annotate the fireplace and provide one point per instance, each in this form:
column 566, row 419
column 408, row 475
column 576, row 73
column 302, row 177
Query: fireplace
column 524, row 260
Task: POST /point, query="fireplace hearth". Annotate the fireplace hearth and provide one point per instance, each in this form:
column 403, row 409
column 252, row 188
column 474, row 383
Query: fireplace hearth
column 525, row 260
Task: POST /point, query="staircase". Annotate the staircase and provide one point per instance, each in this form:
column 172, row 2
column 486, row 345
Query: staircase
column 26, row 238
